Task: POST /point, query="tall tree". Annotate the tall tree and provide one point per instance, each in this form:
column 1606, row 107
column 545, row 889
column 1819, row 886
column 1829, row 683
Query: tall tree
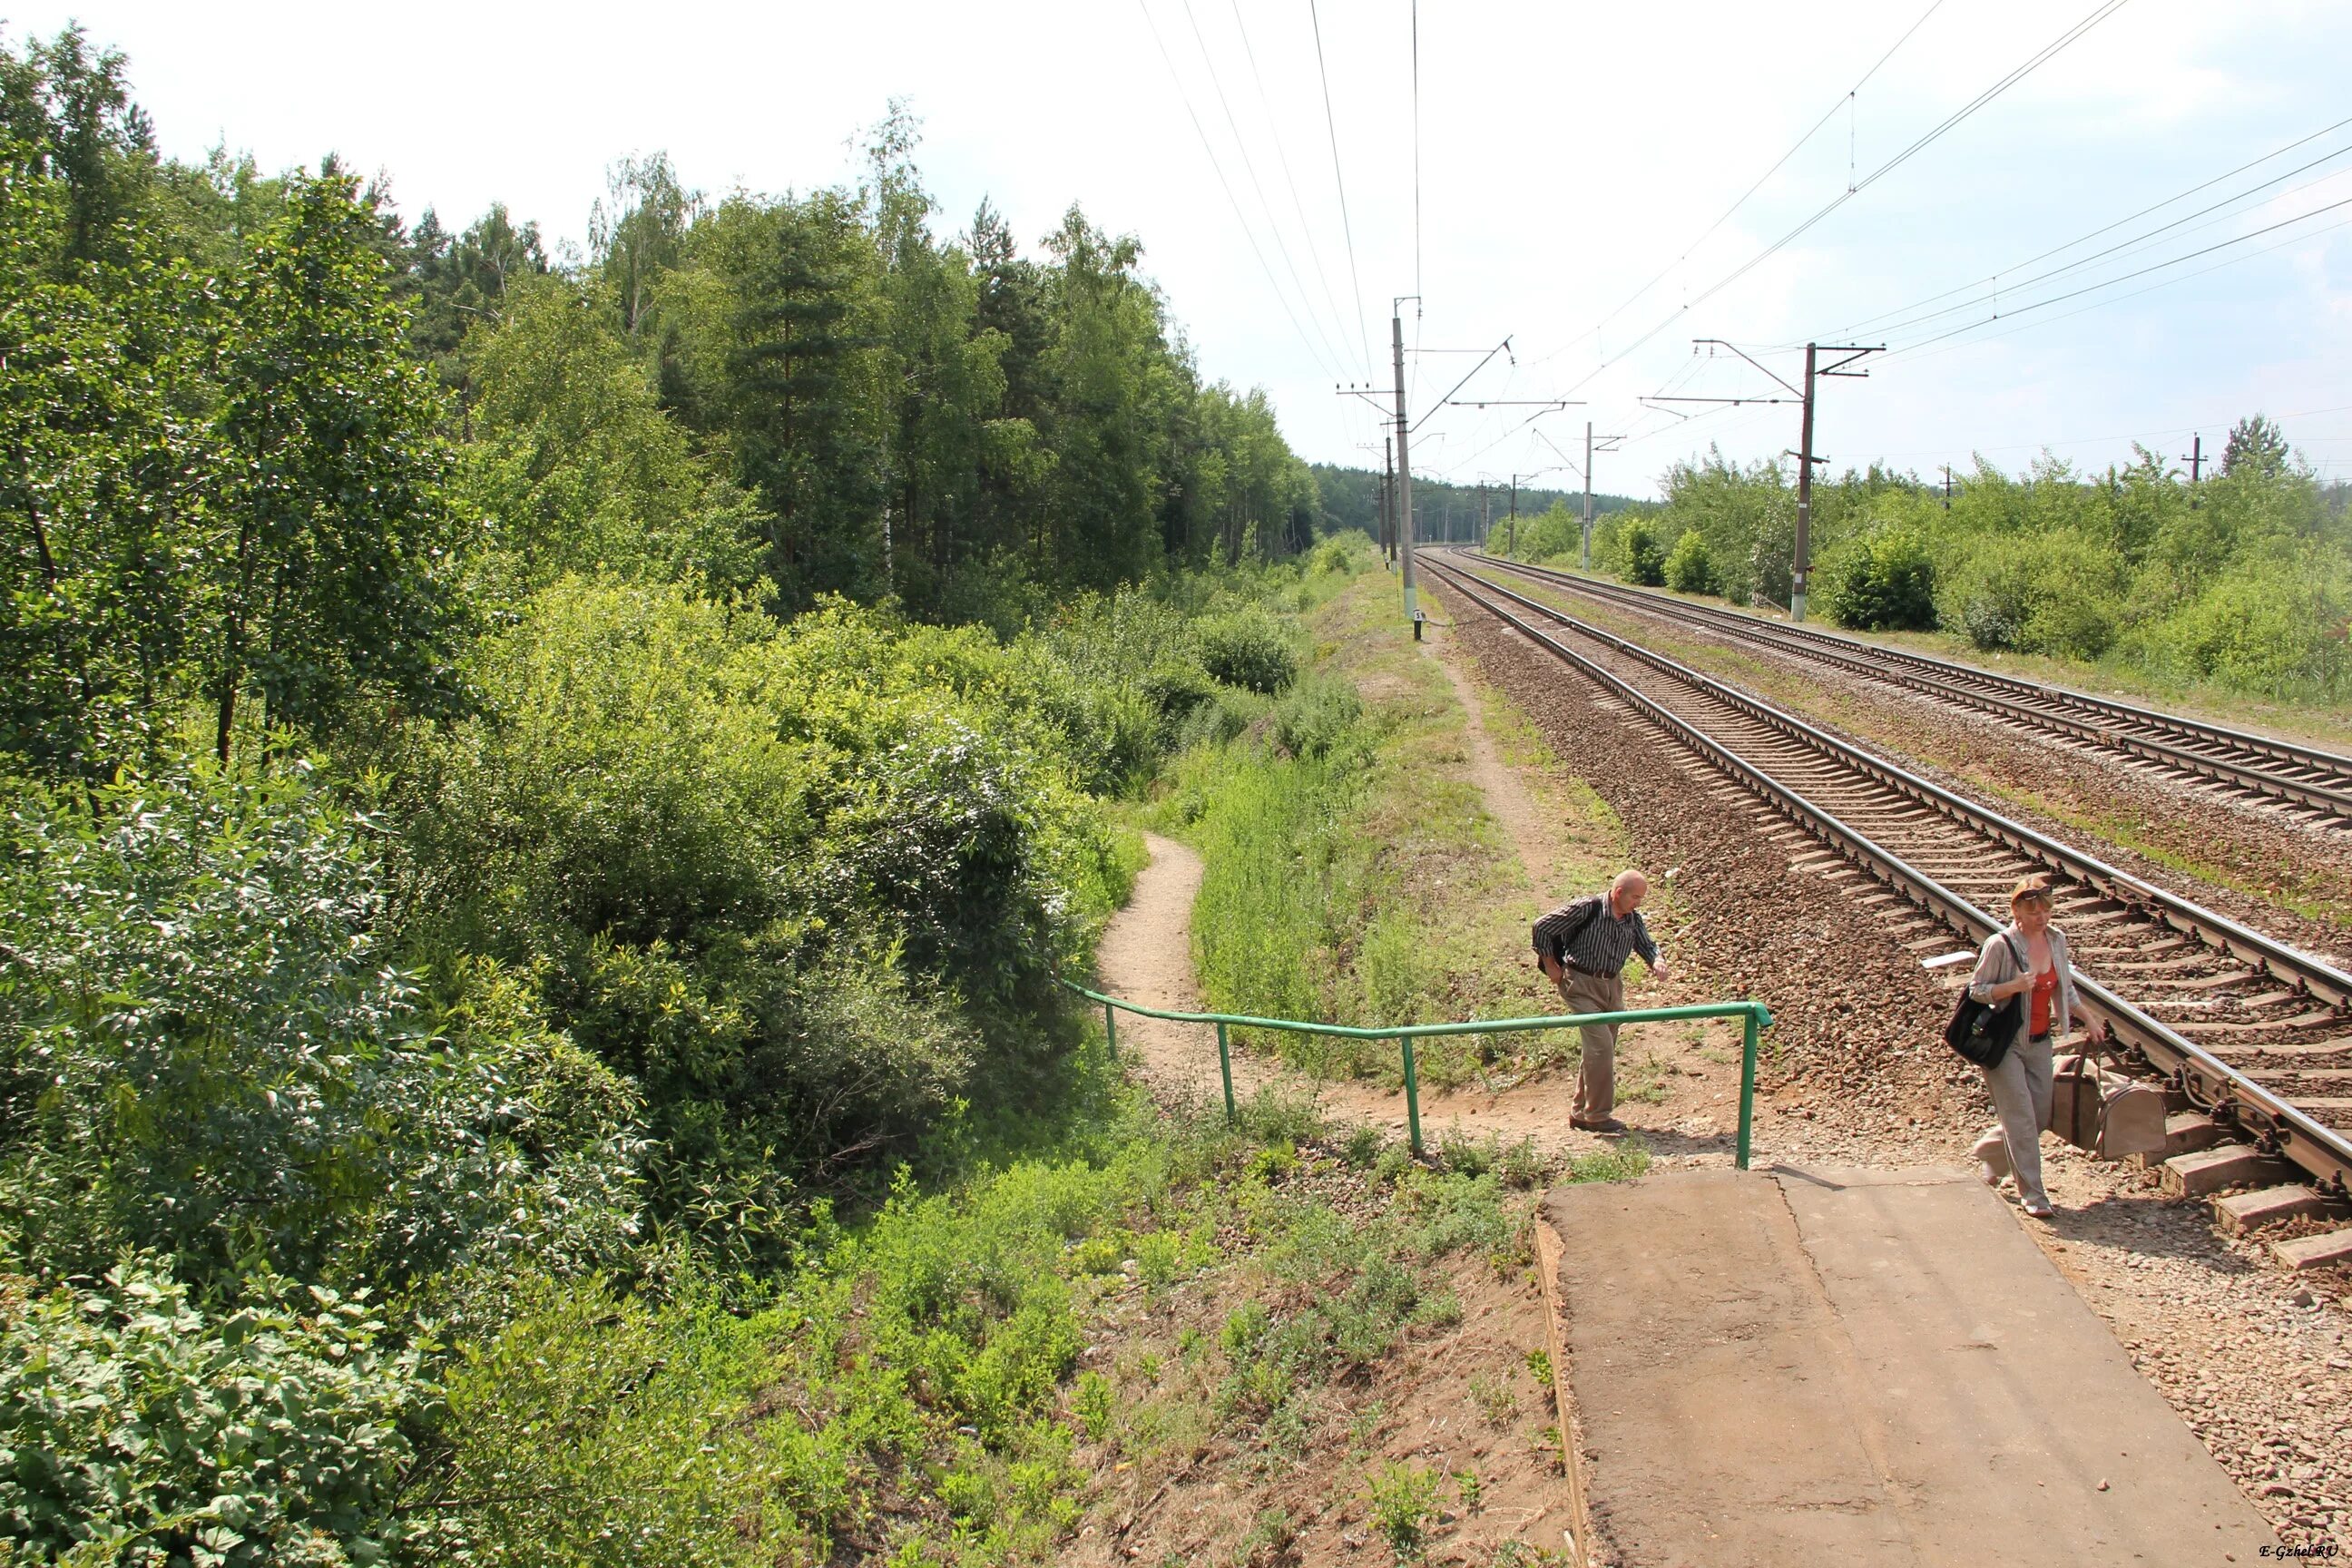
column 333, row 566
column 2257, row 445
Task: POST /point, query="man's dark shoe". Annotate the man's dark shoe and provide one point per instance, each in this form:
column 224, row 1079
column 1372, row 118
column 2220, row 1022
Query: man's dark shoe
column 1596, row 1124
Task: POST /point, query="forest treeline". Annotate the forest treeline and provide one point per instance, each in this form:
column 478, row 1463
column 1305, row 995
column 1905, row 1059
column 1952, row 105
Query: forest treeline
column 2241, row 577
column 1350, row 497
column 542, row 806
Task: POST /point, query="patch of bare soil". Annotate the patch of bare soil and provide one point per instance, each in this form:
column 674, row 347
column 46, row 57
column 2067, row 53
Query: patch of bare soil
column 1190, row 1470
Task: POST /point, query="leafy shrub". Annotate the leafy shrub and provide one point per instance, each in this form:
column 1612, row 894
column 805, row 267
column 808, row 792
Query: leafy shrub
column 1248, row 649
column 209, row 1053
column 1318, row 717
column 2276, row 629
column 2056, row 594
column 808, row 887
column 1640, row 558
column 1175, row 688
column 140, row 1429
column 1883, row 581
column 1688, row 568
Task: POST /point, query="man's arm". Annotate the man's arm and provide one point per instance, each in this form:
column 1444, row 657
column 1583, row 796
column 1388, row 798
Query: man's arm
column 1647, row 946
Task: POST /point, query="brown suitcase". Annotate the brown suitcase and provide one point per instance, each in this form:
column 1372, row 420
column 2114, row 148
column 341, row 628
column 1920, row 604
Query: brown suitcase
column 2104, row 1114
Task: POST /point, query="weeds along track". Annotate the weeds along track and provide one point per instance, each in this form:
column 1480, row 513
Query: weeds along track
column 2304, row 784
column 2253, row 1032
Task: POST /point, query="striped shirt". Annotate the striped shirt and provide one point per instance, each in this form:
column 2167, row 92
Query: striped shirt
column 1602, row 945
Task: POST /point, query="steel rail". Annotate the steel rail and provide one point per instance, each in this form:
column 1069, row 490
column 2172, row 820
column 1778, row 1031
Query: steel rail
column 2210, row 1082
column 2010, row 697
column 1882, row 665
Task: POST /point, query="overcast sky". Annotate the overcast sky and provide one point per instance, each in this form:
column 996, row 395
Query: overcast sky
column 1568, row 155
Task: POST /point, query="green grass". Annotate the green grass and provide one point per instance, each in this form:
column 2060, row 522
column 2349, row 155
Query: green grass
column 917, row 1394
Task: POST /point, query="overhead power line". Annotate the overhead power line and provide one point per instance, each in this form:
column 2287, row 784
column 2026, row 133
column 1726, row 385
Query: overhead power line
column 1910, row 351
column 1844, row 100
column 1239, row 216
column 1904, row 316
column 1297, row 204
column 1346, row 228
column 2127, row 277
column 2033, row 63
column 1249, row 166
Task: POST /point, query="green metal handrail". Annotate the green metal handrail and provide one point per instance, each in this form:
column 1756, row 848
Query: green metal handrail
column 1758, row 1019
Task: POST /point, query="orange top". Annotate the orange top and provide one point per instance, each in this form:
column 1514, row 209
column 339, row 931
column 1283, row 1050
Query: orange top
column 2045, row 992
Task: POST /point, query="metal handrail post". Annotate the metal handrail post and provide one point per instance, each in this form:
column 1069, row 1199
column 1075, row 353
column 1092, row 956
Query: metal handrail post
column 1412, row 1093
column 1746, row 1089
column 1225, row 1068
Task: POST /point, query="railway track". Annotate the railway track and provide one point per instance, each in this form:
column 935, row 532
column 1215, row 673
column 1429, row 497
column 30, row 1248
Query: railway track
column 2248, row 1033
column 2304, row 782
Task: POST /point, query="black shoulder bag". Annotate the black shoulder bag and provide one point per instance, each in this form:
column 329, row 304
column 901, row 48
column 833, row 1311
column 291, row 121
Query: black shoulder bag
column 1981, row 1031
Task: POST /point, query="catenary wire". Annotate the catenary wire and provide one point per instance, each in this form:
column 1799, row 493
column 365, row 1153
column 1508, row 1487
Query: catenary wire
column 2033, row 62
column 1239, row 216
column 1778, row 164
column 1249, row 166
column 1281, row 156
column 1347, row 226
column 1868, row 323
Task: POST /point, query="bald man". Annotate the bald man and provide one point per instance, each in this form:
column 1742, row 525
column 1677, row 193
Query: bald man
column 1583, row 946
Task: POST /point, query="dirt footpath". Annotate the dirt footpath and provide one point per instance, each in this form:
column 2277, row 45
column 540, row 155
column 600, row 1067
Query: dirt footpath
column 1680, row 1081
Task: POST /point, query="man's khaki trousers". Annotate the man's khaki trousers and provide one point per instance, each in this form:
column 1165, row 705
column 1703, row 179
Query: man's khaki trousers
column 1596, row 1077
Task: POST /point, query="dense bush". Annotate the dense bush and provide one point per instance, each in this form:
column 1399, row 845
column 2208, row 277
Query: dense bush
column 1640, row 559
column 1884, row 581
column 208, row 1052
column 1690, row 569
column 140, row 1428
column 2261, row 628
column 806, row 888
column 1248, row 649
column 2052, row 594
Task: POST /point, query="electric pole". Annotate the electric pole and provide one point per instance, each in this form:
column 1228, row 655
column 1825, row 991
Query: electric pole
column 1388, row 500
column 1486, row 523
column 2195, row 459
column 1608, row 444
column 1405, row 471
column 1804, row 500
column 1948, row 487
column 1584, row 556
column 1801, row 567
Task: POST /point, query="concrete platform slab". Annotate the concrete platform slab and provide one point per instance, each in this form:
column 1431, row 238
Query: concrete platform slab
column 1799, row 1367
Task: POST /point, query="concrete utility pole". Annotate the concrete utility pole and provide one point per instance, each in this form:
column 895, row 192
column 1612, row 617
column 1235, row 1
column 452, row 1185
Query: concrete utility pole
column 1801, row 566
column 1585, row 557
column 1948, row 487
column 1608, row 444
column 1804, row 500
column 2195, row 459
column 1405, row 472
